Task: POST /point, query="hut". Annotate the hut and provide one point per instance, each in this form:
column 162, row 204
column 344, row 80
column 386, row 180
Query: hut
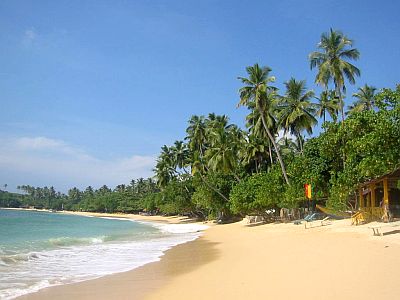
column 379, row 199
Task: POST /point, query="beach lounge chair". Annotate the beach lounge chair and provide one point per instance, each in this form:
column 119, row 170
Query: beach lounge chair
column 377, row 229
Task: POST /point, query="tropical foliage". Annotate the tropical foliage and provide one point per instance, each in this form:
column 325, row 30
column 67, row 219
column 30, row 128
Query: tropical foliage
column 335, row 49
column 219, row 170
column 365, row 99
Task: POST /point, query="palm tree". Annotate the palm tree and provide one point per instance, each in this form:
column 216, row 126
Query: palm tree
column 214, row 122
column 253, row 152
column 165, row 167
column 180, row 155
column 199, row 168
column 203, row 136
column 222, row 155
column 365, row 99
column 163, row 173
column 255, row 124
column 196, row 134
column 288, row 146
column 199, row 139
column 327, row 103
column 332, row 62
column 296, row 112
column 257, row 91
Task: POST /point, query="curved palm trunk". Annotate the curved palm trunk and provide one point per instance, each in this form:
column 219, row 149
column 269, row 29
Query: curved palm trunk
column 270, row 153
column 278, row 154
column 342, row 112
column 256, row 164
column 236, row 177
column 341, row 102
column 299, row 138
column 213, row 188
column 324, row 116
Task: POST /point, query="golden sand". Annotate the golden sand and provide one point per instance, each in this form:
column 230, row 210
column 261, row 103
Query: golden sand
column 273, row 261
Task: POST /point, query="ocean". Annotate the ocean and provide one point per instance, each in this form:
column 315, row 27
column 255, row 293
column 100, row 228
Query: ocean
column 42, row 249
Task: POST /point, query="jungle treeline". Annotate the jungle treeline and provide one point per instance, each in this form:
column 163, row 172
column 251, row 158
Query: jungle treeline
column 221, row 170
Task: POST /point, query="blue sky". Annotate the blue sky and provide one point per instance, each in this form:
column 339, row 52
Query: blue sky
column 90, row 90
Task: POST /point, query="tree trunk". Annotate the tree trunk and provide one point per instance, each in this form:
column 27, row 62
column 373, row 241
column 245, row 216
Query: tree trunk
column 270, row 153
column 300, row 142
column 278, row 154
column 213, row 188
column 339, row 93
column 342, row 112
column 236, row 177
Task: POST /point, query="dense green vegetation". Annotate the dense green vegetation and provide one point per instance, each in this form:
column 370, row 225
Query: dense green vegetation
column 124, row 198
column 220, row 170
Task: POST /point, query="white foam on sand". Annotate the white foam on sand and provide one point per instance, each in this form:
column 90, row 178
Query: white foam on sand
column 179, row 228
column 83, row 262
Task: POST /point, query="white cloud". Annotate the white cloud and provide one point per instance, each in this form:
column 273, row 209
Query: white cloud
column 43, row 161
column 46, row 145
column 38, row 143
column 29, row 36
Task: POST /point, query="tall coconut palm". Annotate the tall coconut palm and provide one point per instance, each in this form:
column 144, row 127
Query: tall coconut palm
column 223, row 139
column 196, row 134
column 332, row 63
column 199, row 168
column 296, row 112
column 288, row 146
column 165, row 166
column 255, row 124
column 180, row 155
column 214, row 121
column 215, row 150
column 257, row 90
column 327, row 103
column 163, row 173
column 254, row 152
column 365, row 99
column 222, row 155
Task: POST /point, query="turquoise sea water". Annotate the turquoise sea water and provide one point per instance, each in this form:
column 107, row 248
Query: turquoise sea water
column 40, row 249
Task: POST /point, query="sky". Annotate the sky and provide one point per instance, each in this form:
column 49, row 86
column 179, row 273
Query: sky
column 91, row 90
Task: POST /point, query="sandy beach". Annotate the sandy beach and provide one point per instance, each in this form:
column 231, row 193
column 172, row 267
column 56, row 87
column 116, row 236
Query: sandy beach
column 232, row 261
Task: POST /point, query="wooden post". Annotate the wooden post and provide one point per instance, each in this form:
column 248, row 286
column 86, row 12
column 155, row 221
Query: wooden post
column 373, row 197
column 361, row 198
column 385, row 191
column 385, row 200
column 372, row 188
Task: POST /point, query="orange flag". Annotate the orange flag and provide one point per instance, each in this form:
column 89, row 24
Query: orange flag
column 307, row 190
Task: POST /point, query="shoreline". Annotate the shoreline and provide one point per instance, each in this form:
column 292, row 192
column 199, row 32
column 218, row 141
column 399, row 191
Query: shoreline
column 137, row 283
column 233, row 261
column 136, row 217
column 118, row 276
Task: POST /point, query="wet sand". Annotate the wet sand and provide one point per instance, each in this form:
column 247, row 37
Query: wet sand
column 139, row 282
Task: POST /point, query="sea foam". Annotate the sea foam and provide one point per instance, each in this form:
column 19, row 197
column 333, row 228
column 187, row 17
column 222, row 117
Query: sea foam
column 180, row 228
column 75, row 260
